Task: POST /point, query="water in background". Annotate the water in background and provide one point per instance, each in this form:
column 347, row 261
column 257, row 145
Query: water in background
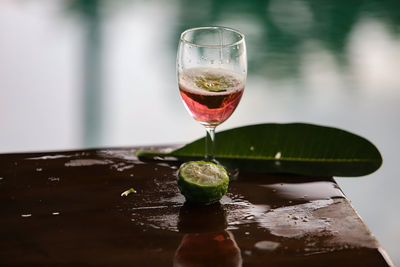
column 86, row 73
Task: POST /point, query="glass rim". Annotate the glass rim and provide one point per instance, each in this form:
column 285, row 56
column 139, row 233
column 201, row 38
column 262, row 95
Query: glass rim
column 241, row 35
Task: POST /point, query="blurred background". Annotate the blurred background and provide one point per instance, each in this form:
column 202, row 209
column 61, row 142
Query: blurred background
column 92, row 73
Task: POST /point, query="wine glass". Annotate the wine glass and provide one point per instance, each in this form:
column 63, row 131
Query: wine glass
column 212, row 70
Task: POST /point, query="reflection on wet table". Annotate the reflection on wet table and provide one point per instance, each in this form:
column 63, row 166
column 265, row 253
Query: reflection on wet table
column 67, row 208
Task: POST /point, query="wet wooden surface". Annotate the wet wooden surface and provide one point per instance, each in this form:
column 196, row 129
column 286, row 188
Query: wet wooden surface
column 66, row 208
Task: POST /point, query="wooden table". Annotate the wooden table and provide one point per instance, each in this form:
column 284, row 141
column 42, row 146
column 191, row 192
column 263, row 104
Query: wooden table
column 66, row 208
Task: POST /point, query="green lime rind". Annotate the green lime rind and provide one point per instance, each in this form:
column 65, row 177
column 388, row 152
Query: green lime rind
column 202, row 182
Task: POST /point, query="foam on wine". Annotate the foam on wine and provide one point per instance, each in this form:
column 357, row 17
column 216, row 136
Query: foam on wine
column 188, row 77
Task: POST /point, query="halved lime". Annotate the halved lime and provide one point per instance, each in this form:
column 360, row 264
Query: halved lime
column 202, row 182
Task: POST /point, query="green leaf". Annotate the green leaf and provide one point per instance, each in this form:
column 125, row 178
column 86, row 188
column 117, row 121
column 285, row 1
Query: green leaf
column 295, row 148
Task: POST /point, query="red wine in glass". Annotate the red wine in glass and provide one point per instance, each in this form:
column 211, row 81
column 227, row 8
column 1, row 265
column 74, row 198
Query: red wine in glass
column 211, row 68
column 210, row 95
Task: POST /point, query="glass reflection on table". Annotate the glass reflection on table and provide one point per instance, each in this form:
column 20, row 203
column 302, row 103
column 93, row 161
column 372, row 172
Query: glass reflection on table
column 206, row 241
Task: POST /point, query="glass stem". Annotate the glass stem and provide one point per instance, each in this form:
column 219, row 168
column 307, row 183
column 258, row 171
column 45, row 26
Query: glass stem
column 210, row 143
